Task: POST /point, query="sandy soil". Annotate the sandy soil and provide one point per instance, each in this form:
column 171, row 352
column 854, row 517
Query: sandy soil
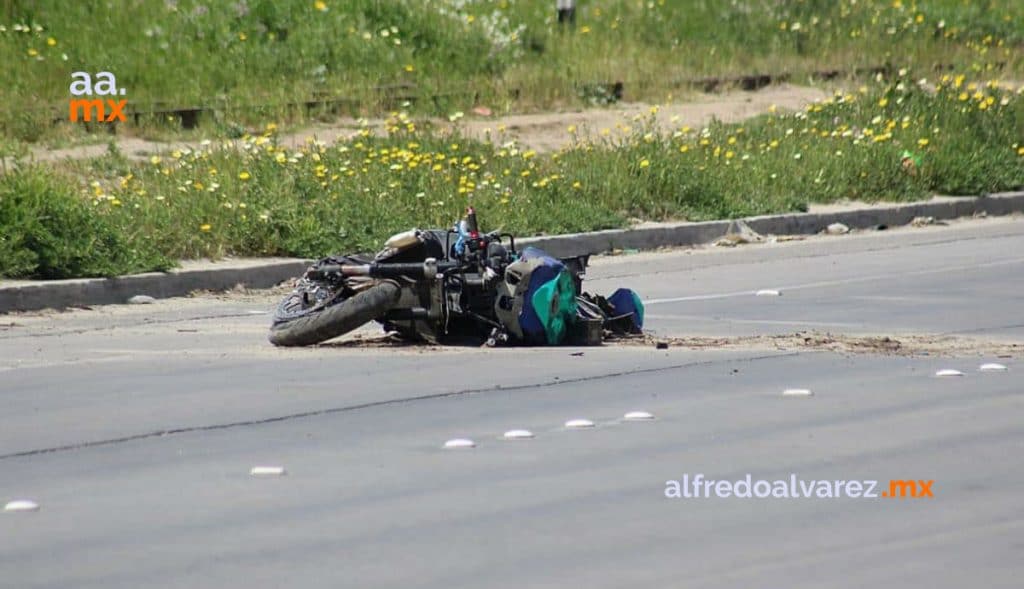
column 810, row 341
column 902, row 345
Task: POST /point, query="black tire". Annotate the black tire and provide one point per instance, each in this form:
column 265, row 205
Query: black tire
column 336, row 319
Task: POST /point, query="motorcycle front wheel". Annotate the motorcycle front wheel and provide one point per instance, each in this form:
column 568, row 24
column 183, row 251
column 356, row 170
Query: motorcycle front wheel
column 334, row 319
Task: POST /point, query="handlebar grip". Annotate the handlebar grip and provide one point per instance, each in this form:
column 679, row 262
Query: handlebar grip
column 323, row 271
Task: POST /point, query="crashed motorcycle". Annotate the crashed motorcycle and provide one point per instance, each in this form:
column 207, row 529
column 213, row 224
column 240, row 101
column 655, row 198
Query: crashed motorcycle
column 457, row 285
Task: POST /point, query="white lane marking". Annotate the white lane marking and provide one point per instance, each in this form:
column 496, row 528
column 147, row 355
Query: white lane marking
column 518, row 434
column 459, row 443
column 992, row 367
column 267, row 471
column 579, row 423
column 840, row 282
column 949, row 372
column 21, row 505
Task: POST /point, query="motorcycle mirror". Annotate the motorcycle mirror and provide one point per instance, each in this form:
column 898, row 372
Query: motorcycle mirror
column 471, row 225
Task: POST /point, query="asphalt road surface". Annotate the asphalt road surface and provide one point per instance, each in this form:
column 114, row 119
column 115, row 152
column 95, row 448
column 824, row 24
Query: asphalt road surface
column 135, row 428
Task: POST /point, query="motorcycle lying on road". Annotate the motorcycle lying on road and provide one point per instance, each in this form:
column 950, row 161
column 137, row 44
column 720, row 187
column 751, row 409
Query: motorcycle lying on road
column 439, row 286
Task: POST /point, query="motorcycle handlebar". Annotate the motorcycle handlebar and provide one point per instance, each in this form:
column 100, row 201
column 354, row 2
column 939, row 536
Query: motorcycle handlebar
column 427, row 269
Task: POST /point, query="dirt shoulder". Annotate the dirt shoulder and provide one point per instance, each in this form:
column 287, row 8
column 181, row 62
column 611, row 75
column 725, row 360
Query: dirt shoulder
column 539, row 131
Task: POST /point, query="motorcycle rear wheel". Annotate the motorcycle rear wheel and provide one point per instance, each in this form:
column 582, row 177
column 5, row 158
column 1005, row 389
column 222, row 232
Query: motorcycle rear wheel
column 335, row 319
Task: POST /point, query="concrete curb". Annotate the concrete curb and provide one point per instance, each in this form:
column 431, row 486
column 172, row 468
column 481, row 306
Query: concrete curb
column 263, row 273
column 688, row 234
column 59, row 294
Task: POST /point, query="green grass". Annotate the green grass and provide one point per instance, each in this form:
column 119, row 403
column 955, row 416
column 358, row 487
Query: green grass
column 247, row 58
column 893, row 140
column 48, row 231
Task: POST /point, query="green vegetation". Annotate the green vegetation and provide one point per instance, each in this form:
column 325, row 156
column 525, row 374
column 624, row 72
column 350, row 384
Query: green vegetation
column 891, row 140
column 48, row 231
column 247, row 58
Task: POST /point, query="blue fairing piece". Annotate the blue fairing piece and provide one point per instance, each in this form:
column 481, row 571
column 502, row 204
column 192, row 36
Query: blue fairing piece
column 547, row 324
column 626, row 301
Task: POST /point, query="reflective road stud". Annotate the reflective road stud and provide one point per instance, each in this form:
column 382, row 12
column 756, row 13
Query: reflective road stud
column 637, row 416
column 579, row 423
column 768, row 292
column 21, row 505
column 459, row 443
column 267, row 471
column 797, row 393
column 518, row 434
column 993, row 367
column 949, row 372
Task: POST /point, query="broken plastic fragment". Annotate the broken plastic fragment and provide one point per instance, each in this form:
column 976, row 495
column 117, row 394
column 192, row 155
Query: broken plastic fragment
column 837, row 229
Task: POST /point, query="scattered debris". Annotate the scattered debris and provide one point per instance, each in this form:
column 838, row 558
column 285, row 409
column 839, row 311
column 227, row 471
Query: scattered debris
column 910, row 162
column 739, row 232
column 661, row 346
column 903, row 345
column 837, row 229
column 141, row 300
column 924, row 221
